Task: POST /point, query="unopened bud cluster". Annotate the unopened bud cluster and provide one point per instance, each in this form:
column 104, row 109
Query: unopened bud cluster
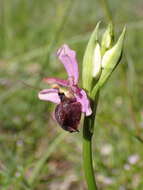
column 100, row 59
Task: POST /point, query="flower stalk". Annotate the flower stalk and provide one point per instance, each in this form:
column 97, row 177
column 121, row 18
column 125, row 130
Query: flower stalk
column 100, row 60
column 87, row 154
column 88, row 130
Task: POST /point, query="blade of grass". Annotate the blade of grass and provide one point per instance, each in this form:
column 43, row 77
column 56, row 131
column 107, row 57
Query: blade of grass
column 39, row 165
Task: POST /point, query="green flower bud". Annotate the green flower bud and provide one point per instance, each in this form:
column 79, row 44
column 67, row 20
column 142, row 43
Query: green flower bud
column 96, row 62
column 107, row 39
column 109, row 61
column 99, row 62
column 88, row 60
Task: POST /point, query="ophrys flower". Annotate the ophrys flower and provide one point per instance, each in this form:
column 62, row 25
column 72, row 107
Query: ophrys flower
column 72, row 101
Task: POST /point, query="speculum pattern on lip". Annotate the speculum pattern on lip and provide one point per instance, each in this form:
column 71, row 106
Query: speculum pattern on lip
column 68, row 114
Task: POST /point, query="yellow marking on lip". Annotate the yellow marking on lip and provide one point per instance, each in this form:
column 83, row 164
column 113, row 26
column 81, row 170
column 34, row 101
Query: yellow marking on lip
column 67, row 93
column 55, row 86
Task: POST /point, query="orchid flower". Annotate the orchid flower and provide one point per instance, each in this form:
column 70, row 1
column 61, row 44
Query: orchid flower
column 74, row 101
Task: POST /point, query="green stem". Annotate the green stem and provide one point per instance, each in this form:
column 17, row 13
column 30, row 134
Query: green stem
column 87, row 156
column 88, row 129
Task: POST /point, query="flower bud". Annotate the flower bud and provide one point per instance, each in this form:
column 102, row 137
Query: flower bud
column 109, row 61
column 107, row 39
column 111, row 58
column 96, row 62
column 88, row 60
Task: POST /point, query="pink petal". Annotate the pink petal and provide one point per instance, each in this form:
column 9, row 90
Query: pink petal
column 81, row 97
column 50, row 95
column 56, row 81
column 68, row 58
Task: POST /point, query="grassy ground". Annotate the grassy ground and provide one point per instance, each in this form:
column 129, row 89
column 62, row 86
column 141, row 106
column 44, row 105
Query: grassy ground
column 30, row 33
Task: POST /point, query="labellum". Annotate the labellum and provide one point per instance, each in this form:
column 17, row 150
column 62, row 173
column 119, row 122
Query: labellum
column 68, row 113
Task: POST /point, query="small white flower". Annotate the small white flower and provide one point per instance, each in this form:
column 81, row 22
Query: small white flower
column 106, row 149
column 133, row 159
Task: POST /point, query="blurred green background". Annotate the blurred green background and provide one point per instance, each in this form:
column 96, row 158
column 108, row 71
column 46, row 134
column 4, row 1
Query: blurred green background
column 31, row 31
